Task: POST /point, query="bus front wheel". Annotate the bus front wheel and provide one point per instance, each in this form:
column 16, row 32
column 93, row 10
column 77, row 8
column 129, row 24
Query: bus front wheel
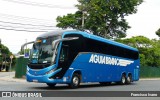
column 75, row 81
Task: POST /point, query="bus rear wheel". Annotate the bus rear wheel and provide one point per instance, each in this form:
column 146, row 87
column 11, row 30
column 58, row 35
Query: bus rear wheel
column 51, row 84
column 123, row 79
column 75, row 81
column 129, row 79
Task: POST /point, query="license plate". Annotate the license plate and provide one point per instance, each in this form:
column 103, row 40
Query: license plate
column 35, row 81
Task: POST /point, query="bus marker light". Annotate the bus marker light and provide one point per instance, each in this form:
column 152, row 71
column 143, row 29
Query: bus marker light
column 71, row 68
column 64, row 79
column 38, row 41
column 68, row 77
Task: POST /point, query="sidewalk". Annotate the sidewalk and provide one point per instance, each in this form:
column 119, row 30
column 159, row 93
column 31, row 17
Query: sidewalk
column 141, row 79
column 10, row 77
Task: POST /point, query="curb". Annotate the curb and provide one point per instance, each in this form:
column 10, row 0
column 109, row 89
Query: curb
column 12, row 79
column 148, row 79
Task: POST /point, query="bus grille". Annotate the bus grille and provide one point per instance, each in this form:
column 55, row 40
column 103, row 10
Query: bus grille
column 38, row 66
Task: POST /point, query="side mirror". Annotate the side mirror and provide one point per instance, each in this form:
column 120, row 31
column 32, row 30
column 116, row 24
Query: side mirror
column 22, row 47
column 56, row 42
column 34, row 47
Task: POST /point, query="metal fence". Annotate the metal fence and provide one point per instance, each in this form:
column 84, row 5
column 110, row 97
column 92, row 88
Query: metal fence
column 149, row 72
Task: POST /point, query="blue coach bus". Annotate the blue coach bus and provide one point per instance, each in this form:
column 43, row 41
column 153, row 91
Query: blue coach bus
column 73, row 57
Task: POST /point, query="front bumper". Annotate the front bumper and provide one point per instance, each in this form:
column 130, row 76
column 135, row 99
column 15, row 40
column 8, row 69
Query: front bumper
column 41, row 76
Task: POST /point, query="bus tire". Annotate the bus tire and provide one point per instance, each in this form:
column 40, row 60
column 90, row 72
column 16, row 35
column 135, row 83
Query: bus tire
column 51, row 84
column 129, row 79
column 123, row 79
column 105, row 83
column 75, row 81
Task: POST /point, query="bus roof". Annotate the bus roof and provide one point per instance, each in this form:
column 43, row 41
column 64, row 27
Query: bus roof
column 112, row 42
column 57, row 32
column 87, row 35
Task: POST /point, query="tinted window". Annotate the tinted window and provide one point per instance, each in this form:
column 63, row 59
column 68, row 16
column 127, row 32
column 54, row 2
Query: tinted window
column 74, row 46
column 104, row 48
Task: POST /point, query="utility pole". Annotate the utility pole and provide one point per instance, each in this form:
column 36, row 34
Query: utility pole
column 0, row 48
column 82, row 19
column 1, row 61
column 84, row 11
column 26, row 42
column 24, row 48
column 11, row 57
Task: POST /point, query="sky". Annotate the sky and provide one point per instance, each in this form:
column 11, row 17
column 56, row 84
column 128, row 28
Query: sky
column 40, row 15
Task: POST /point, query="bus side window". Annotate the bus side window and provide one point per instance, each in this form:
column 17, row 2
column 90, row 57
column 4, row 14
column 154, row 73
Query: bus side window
column 64, row 54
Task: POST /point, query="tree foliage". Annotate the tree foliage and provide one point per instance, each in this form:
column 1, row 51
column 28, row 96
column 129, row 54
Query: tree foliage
column 104, row 18
column 158, row 32
column 149, row 49
column 4, row 49
column 5, row 53
column 70, row 21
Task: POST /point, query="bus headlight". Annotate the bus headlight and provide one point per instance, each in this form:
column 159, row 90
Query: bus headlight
column 27, row 70
column 51, row 71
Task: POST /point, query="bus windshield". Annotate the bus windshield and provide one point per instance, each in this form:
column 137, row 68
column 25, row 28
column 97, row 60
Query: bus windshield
column 42, row 51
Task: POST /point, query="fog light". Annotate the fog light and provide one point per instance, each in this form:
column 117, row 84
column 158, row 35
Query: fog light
column 51, row 71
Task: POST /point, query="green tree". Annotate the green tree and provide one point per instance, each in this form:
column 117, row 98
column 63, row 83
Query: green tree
column 104, row 18
column 70, row 21
column 149, row 49
column 156, row 52
column 4, row 49
column 158, row 32
column 5, row 54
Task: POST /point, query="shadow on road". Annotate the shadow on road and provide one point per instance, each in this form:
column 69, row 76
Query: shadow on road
column 66, row 87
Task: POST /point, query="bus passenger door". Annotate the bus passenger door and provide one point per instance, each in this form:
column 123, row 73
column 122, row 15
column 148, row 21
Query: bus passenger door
column 63, row 61
column 64, row 54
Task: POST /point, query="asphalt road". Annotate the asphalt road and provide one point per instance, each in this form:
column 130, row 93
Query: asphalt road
column 142, row 85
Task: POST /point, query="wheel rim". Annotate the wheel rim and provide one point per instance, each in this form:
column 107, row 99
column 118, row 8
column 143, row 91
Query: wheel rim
column 129, row 79
column 75, row 81
column 123, row 80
